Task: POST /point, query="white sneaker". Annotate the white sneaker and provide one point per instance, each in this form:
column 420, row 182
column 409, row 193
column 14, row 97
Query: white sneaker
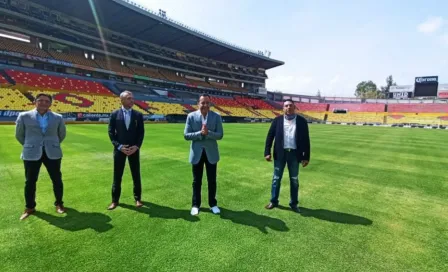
column 194, row 211
column 215, row 210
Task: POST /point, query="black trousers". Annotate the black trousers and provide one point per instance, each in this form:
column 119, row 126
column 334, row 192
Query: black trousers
column 198, row 170
column 32, row 169
column 119, row 164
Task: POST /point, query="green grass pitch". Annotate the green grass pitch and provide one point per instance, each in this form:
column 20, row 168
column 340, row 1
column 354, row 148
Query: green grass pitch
column 373, row 199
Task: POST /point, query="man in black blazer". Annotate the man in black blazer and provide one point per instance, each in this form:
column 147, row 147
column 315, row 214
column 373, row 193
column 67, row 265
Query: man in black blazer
column 126, row 132
column 292, row 146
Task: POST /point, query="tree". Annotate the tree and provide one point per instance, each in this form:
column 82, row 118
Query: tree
column 366, row 88
column 389, row 82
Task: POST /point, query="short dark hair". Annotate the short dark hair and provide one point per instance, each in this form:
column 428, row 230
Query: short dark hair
column 288, row 100
column 46, row 95
column 204, row 95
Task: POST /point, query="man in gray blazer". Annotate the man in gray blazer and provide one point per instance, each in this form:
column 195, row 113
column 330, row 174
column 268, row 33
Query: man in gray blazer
column 41, row 132
column 204, row 128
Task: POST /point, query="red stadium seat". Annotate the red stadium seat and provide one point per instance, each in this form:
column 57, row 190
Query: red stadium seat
column 416, row 108
column 358, row 107
column 48, row 82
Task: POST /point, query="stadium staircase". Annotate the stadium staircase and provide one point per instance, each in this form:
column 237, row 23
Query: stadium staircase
column 6, row 78
column 222, row 110
column 309, row 118
column 274, row 104
column 188, row 108
column 255, row 112
column 28, row 95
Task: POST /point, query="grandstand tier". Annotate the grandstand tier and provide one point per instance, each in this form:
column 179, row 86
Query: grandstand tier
column 311, row 107
column 49, row 82
column 11, row 99
column 416, row 108
column 357, row 117
column 358, row 107
column 418, row 118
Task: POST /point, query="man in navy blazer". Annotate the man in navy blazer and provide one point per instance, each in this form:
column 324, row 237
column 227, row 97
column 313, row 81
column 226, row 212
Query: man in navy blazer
column 292, row 145
column 204, row 128
column 126, row 132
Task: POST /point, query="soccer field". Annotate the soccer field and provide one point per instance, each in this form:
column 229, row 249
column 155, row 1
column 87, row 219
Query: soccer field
column 372, row 199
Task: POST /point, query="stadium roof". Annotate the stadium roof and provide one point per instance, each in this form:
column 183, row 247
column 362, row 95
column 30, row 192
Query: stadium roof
column 127, row 18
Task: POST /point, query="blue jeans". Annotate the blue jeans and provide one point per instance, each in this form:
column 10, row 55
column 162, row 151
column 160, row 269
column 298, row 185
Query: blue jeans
column 289, row 158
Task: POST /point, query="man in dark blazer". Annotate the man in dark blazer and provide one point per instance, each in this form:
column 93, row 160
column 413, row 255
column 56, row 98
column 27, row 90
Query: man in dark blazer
column 126, row 132
column 41, row 132
column 292, row 146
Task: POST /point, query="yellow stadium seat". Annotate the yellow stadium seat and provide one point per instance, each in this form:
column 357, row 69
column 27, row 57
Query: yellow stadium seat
column 14, row 100
column 87, row 103
column 357, row 117
column 166, row 108
column 418, row 118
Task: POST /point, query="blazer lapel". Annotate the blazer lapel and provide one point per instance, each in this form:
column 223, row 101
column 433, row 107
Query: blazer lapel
column 282, row 128
column 121, row 118
column 198, row 117
column 132, row 122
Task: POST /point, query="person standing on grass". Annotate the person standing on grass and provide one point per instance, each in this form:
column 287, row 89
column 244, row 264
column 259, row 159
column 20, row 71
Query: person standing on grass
column 41, row 133
column 126, row 132
column 292, row 145
column 204, row 128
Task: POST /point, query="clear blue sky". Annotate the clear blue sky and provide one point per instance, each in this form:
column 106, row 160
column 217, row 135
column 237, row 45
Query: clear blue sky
column 328, row 45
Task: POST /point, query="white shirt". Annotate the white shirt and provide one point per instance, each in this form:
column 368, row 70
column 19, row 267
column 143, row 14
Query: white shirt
column 127, row 116
column 289, row 133
column 204, row 119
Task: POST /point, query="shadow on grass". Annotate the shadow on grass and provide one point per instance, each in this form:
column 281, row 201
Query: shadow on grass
column 332, row 216
column 251, row 219
column 74, row 220
column 157, row 211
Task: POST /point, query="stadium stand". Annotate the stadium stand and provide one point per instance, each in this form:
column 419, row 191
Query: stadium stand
column 73, row 58
column 423, row 114
column 145, row 71
column 69, row 95
column 14, row 100
column 254, row 103
column 357, row 117
column 112, row 64
column 85, row 69
column 357, row 113
column 48, row 82
column 357, row 107
column 3, row 81
column 418, row 108
column 22, row 47
column 166, row 108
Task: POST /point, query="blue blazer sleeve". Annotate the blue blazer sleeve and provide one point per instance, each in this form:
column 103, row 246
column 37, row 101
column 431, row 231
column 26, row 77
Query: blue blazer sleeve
column 219, row 133
column 189, row 134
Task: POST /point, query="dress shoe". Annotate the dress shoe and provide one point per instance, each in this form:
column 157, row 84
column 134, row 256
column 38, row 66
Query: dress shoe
column 60, row 209
column 270, row 206
column 139, row 204
column 112, row 206
column 27, row 213
column 295, row 209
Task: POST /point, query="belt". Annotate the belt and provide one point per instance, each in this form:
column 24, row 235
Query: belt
column 289, row 149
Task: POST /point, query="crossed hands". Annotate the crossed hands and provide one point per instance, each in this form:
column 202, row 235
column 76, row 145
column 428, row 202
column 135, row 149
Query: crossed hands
column 304, row 163
column 204, row 130
column 128, row 151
